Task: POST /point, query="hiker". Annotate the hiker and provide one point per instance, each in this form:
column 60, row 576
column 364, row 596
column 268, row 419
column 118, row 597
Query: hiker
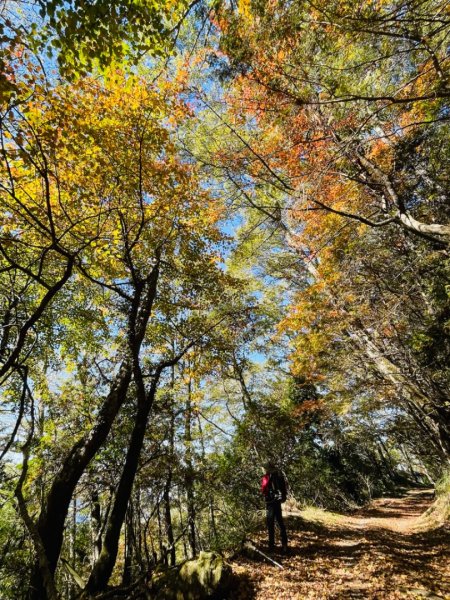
column 273, row 488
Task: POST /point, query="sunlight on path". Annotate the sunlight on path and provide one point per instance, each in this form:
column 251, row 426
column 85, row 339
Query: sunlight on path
column 378, row 553
column 395, row 514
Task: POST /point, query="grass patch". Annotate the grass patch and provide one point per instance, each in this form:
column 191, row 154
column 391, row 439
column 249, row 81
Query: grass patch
column 322, row 516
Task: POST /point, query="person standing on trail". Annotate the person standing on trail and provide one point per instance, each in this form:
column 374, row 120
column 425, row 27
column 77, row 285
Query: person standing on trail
column 273, row 488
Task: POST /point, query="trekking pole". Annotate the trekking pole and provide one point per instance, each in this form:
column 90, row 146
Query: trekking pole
column 251, row 546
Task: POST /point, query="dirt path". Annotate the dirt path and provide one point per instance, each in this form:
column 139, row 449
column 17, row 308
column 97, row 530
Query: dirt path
column 377, row 553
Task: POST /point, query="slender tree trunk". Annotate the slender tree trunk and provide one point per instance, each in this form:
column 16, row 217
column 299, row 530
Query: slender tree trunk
column 409, row 463
column 73, row 540
column 436, row 420
column 189, row 473
column 387, row 457
column 162, row 552
column 140, row 535
column 386, row 463
column 96, row 525
column 52, row 518
column 168, row 521
column 180, row 512
column 167, row 488
column 127, row 574
column 53, row 515
column 212, row 518
column 103, row 567
column 146, row 548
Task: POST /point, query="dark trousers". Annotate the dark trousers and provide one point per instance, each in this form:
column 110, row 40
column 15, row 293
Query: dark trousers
column 274, row 514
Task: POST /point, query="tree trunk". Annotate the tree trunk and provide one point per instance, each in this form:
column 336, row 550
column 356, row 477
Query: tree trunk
column 168, row 521
column 53, row 515
column 436, row 420
column 189, row 473
column 96, row 525
column 103, row 567
column 182, row 527
column 212, row 518
column 409, row 463
column 162, row 548
column 166, row 497
column 127, row 574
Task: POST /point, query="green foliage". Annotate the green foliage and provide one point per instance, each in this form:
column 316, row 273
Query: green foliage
column 276, row 330
column 15, row 551
column 443, row 485
column 101, row 33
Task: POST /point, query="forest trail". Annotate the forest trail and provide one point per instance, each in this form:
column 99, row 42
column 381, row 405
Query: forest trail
column 382, row 552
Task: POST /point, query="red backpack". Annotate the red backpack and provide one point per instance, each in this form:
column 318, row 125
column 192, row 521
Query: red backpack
column 275, row 490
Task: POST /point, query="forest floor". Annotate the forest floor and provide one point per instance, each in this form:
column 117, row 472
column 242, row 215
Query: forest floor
column 385, row 551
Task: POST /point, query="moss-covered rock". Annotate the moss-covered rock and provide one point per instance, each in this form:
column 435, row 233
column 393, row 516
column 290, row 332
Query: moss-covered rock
column 205, row 577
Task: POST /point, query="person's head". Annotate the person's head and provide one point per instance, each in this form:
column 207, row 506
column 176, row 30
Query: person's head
column 270, row 467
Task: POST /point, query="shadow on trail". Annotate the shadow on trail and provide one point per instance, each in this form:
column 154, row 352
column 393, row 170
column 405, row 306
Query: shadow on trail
column 359, row 556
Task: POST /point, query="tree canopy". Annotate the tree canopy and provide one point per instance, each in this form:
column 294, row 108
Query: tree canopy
column 224, row 240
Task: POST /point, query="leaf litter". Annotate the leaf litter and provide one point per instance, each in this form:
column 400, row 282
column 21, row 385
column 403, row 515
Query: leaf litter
column 380, row 552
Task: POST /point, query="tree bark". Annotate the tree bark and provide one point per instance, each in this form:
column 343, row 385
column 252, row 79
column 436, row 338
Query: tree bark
column 103, row 567
column 53, row 515
column 167, row 487
column 52, row 518
column 189, row 473
column 127, row 574
column 168, row 521
column 96, row 525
